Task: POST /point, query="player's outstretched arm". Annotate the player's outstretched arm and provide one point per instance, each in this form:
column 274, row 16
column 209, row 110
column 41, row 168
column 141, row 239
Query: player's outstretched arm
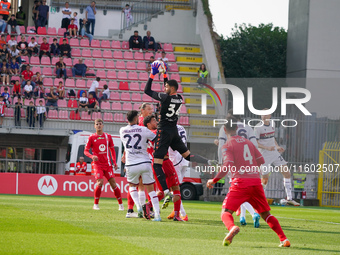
column 147, row 90
column 87, row 148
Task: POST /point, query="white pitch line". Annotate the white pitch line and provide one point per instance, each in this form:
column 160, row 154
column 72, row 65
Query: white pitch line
column 335, row 223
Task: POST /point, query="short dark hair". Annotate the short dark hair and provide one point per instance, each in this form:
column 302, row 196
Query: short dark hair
column 5, row 88
column 163, row 52
column 105, row 86
column 231, row 124
column 33, row 38
column 131, row 115
column 55, row 39
column 136, row 31
column 173, row 83
column 97, row 78
column 127, row 5
column 232, row 115
column 64, row 40
column 148, row 119
column 12, row 15
column 40, row 101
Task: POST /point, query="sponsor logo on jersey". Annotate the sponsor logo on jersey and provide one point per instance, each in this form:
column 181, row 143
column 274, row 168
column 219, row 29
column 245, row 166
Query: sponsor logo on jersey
column 47, row 185
column 102, row 147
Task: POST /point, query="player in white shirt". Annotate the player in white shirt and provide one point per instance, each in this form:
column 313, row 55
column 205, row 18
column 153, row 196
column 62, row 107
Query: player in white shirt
column 271, row 152
column 137, row 162
column 128, row 17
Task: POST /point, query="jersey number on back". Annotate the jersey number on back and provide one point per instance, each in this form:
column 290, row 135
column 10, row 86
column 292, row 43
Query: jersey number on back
column 171, row 110
column 247, row 155
column 242, row 132
column 135, row 146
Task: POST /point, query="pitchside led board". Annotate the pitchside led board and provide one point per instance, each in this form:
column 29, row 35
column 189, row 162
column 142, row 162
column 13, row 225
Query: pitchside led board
column 56, row 185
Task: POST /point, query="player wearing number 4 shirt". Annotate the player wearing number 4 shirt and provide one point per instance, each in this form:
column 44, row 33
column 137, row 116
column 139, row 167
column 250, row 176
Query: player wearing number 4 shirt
column 101, row 144
column 270, row 150
column 137, row 162
column 241, row 160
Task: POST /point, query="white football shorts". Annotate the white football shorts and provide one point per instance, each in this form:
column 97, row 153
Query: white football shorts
column 144, row 170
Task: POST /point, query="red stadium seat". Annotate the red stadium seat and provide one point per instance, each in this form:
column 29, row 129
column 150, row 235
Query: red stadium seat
column 62, row 39
column 139, row 56
column 57, row 80
column 136, row 97
column 35, row 61
column 167, row 47
column 50, row 40
column 137, row 106
column 80, row 84
column 125, row 96
column 106, row 44
column 55, row 60
column 117, row 54
column 107, row 54
column 96, row 115
column 131, row 65
column 180, row 90
column 113, row 85
column 36, row 69
column 175, row 76
column 111, row 74
column 45, row 61
column 22, row 29
column 86, row 53
column 31, row 28
column 142, row 86
column 144, row 76
column 123, row 85
column 122, row 75
column 173, row 68
column 105, row 106
column 53, row 114
column 171, row 57
column 157, row 87
column 114, row 96
column 63, row 115
column 127, row 106
column 74, row 116
column 84, row 43
column 70, row 83
column 61, row 31
column 52, row 31
column 116, row 106
column 99, row 63
column 85, row 116
column 146, row 98
column 48, row 82
column 89, row 63
column 158, row 55
column 183, row 109
column 134, row 86
column 108, row 117
column 75, row 61
column 125, row 45
column 120, row 65
column 27, row 102
column 148, row 55
column 37, row 101
column 133, row 76
column 109, row 64
column 75, row 52
column 74, row 42
column 97, row 53
column 72, row 104
column 68, row 62
column 42, row 31
column 88, row 83
column 95, row 44
column 101, row 84
column 141, row 66
column 40, row 40
column 9, row 112
column 47, row 71
column 116, row 45
column 128, row 55
column 101, row 74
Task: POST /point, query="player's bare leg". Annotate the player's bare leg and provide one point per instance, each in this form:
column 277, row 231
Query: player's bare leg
column 117, row 192
column 97, row 192
column 228, row 221
column 288, row 185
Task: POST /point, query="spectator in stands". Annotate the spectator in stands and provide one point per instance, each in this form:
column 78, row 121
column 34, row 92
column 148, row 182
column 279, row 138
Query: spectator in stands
column 28, row 90
column 90, row 15
column 41, row 113
column 52, row 99
column 22, row 46
column 72, row 29
column 27, row 76
column 84, row 32
column 65, row 49
column 66, row 16
column 149, row 42
column 17, row 113
column 21, row 17
column 32, row 47
column 202, row 74
column 16, row 89
column 2, row 110
column 152, row 59
column 83, row 102
column 3, row 24
column 37, row 78
column 93, row 103
column 42, row 14
column 128, row 17
column 15, row 53
column 14, row 67
column 135, row 41
column 12, row 42
column 35, row 13
column 79, row 69
column 2, row 41
column 39, row 90
column 55, row 51
column 94, row 88
column 5, row 75
column 4, row 54
column 164, row 58
column 5, row 7
column 4, row 63
column 75, row 17
column 44, row 49
column 105, row 96
column 61, row 68
column 12, row 24
column 61, row 90
column 81, row 166
column 31, row 114
column 6, row 96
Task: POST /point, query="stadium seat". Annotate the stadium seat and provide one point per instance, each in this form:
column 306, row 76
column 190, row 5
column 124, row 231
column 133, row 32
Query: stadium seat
column 139, row 56
column 50, row 40
column 35, row 61
column 133, row 76
column 183, row 109
column 125, row 96
column 142, row 86
column 136, row 97
column 69, row 72
column 25, row 59
column 88, row 83
column 114, row 96
column 86, row 53
column 74, row 42
column 134, row 86
column 89, row 63
column 117, row 54
column 36, row 69
column 70, row 83
column 48, row 82
column 116, row 117
column 85, row 116
column 57, row 80
column 125, row 45
column 75, row 61
column 63, row 115
column 40, row 40
column 37, row 101
column 123, row 85
column 107, row 54
column 171, row 57
column 42, row 31
column 23, row 113
column 116, row 106
column 47, row 90
column 180, row 90
column 131, row 65
column 27, row 102
column 9, row 112
column 105, row 44
column 105, row 106
column 45, row 61
column 113, row 85
column 122, row 75
column 109, row 64
column 61, row 31
column 80, row 84
column 158, row 55
column 62, row 39
column 68, row 62
column 74, row 115
column 84, row 43
column 75, row 52
column 80, row 93
column 146, row 98
column 101, row 74
column 157, row 87
column 127, row 106
column 111, row 74
column 116, row 45
column 52, row 31
column 173, row 68
column 30, row 29
column 120, row 65
column 53, row 114
column 137, row 106
column 97, row 54
column 99, row 64
column 128, row 55
column 55, row 60
column 148, row 55
column 175, row 76
column 167, row 47
column 96, row 115
column 141, row 66
column 108, row 117
column 144, row 76
column 22, row 29
column 72, row 104
column 95, row 44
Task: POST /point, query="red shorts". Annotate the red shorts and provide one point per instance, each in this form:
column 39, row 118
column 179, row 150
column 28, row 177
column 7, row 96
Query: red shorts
column 170, row 174
column 254, row 195
column 101, row 171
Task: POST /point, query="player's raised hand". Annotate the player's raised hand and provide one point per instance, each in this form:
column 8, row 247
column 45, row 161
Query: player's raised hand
column 155, row 67
column 95, row 158
column 210, row 183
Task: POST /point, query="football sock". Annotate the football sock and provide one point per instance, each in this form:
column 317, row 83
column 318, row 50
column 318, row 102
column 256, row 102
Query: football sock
column 177, row 202
column 288, row 186
column 130, row 201
column 118, row 195
column 161, row 177
column 160, row 195
column 228, row 220
column 141, row 195
column 155, row 202
column 249, row 208
column 134, row 195
column 243, row 211
column 274, row 224
column 182, row 211
column 197, row 159
column 97, row 192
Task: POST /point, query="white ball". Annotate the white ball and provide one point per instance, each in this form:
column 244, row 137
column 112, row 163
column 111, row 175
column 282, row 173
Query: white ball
column 283, row 201
column 161, row 68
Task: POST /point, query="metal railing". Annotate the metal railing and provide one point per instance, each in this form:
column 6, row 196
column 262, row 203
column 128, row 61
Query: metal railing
column 31, row 166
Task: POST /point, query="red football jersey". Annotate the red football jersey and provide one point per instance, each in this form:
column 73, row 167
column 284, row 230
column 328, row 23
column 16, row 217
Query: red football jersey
column 140, row 120
column 101, row 146
column 2, row 107
column 81, row 167
column 242, row 160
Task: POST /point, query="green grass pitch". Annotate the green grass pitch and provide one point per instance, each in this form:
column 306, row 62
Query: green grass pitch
column 63, row 225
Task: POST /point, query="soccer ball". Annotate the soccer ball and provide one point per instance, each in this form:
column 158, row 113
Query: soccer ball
column 161, row 67
column 283, row 202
